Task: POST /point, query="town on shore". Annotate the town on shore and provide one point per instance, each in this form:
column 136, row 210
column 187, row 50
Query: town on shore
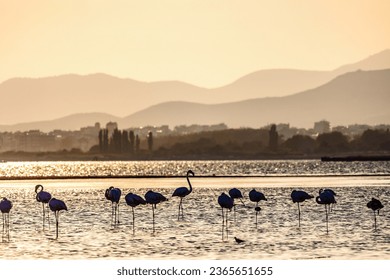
column 275, row 141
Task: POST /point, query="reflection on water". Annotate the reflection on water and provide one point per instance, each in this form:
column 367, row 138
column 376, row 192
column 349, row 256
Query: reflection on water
column 178, row 168
column 85, row 231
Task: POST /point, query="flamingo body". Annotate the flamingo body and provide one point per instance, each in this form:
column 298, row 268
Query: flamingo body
column 113, row 194
column 42, row 196
column 134, row 200
column 57, row 205
column 154, row 198
column 375, row 205
column 256, row 196
column 5, row 206
column 300, row 196
column 225, row 201
column 326, row 197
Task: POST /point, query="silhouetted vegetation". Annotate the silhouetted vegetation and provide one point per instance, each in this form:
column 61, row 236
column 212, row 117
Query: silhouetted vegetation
column 244, row 143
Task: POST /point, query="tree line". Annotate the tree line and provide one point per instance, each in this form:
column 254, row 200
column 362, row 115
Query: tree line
column 242, row 143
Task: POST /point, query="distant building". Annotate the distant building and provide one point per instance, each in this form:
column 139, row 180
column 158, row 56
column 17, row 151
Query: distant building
column 111, row 126
column 321, row 127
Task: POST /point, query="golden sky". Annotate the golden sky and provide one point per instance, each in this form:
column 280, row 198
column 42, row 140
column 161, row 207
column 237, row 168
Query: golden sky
column 203, row 42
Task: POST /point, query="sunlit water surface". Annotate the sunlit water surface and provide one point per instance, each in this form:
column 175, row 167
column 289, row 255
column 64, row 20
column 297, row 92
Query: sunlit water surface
column 86, row 231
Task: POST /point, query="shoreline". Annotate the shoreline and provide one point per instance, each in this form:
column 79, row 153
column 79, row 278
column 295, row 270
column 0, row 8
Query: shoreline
column 23, row 178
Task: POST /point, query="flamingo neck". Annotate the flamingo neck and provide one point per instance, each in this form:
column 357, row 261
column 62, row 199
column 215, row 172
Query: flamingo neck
column 189, row 184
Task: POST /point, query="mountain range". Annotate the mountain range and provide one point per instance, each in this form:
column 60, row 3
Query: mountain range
column 345, row 95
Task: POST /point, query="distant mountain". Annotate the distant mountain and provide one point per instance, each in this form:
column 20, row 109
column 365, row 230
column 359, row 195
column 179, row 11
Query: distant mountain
column 72, row 122
column 25, row 100
column 356, row 97
column 282, row 82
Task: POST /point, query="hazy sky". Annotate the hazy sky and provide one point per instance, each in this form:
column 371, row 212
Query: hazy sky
column 207, row 43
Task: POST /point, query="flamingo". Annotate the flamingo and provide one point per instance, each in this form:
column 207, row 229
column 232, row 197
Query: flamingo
column 134, row 200
column 326, row 197
column 114, row 194
column 225, row 201
column 154, row 198
column 5, row 208
column 183, row 192
column 56, row 206
column 256, row 196
column 334, row 194
column 375, row 205
column 44, row 197
column 299, row 197
column 235, row 194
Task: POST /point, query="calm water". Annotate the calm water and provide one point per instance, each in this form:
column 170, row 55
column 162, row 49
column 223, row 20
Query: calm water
column 86, row 231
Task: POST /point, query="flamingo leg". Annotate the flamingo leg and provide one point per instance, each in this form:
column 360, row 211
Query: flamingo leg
column 178, row 215
column 227, row 228
column 117, row 208
column 299, row 215
column 182, row 209
column 234, row 212
column 56, row 213
column 223, row 222
column 153, row 216
column 374, row 220
column 132, row 208
column 326, row 215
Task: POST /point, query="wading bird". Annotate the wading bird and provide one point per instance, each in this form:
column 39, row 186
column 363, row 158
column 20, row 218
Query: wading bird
column 183, row 192
column 256, row 196
column 235, row 194
column 238, row 240
column 299, row 197
column 114, row 194
column 326, row 197
column 375, row 205
column 44, row 198
column 226, row 202
column 154, row 198
column 56, row 206
column 5, row 208
column 134, row 200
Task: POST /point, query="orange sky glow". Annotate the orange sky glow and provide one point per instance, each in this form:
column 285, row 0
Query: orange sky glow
column 205, row 43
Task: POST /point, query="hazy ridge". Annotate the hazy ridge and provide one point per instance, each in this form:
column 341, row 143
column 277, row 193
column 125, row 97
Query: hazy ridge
column 299, row 98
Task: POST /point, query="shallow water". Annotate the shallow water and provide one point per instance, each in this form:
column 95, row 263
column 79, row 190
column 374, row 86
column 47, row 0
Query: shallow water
column 86, row 231
column 201, row 168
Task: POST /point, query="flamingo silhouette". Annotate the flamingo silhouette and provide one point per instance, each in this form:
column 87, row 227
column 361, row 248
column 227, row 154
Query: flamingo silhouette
column 235, row 194
column 114, row 194
column 5, row 208
column 299, row 197
column 332, row 205
column 375, row 205
column 154, row 198
column 56, row 206
column 134, row 200
column 44, row 198
column 326, row 197
column 183, row 192
column 225, row 201
column 256, row 196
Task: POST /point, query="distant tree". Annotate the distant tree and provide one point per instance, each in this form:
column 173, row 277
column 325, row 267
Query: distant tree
column 300, row 144
column 273, row 138
column 374, row 140
column 101, row 137
column 137, row 143
column 105, row 141
column 125, row 142
column 150, row 141
column 116, row 141
column 132, row 141
column 332, row 142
